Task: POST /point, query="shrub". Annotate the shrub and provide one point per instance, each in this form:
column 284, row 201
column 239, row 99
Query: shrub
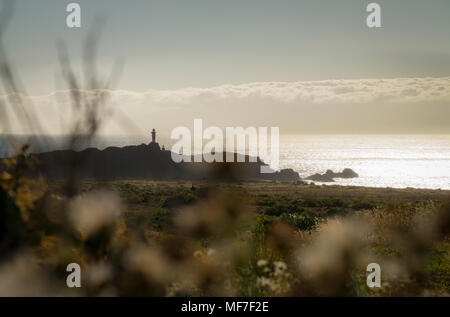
column 161, row 219
column 336, row 211
column 258, row 233
column 334, row 202
column 280, row 208
column 304, row 221
column 311, row 202
column 358, row 204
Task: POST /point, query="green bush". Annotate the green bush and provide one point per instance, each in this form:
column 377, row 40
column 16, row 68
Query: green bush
column 161, row 219
column 334, row 202
column 258, row 233
column 281, row 207
column 336, row 211
column 311, row 202
column 304, row 221
column 359, row 204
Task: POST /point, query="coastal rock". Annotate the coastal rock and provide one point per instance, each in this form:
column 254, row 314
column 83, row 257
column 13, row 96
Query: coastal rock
column 348, row 173
column 325, row 178
column 329, row 175
column 287, row 175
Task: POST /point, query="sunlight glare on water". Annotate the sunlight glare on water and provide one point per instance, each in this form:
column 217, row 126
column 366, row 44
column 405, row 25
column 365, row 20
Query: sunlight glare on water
column 399, row 161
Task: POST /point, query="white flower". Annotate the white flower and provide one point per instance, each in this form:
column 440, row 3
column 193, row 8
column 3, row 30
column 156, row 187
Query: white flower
column 268, row 282
column 95, row 210
column 210, row 252
column 279, row 265
column 262, row 263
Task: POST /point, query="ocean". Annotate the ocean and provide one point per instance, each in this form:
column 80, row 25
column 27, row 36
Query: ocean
column 397, row 161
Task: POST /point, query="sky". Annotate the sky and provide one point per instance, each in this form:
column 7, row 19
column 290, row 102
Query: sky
column 308, row 66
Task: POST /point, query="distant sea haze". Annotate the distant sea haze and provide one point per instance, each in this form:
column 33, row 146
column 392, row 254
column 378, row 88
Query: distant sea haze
column 397, row 161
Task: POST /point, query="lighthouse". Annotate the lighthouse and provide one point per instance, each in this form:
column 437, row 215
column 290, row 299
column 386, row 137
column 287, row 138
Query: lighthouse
column 153, row 136
column 153, row 145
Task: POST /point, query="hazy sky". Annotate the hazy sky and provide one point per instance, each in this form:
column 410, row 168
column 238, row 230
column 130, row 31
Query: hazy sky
column 206, row 45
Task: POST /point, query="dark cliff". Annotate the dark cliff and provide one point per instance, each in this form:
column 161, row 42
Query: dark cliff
column 148, row 161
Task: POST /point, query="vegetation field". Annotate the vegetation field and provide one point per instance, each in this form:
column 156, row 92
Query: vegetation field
column 172, row 238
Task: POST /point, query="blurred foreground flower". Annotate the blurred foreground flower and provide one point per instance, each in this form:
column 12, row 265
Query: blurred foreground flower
column 94, row 211
column 325, row 266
